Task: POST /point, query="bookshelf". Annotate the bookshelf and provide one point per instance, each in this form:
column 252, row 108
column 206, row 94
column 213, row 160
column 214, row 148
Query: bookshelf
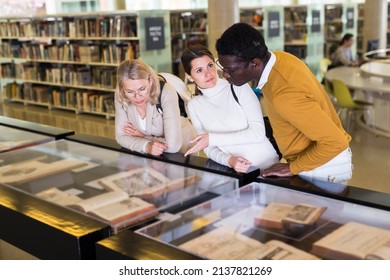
column 69, row 61
column 304, row 34
column 188, row 27
column 388, row 26
column 359, row 37
column 269, row 20
column 315, row 38
column 333, row 27
column 300, row 29
column 253, row 16
column 339, row 19
column 295, row 30
column 66, row 61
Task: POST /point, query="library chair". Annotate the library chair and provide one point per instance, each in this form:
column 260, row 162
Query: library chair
column 324, row 64
column 328, row 87
column 346, row 103
column 329, row 90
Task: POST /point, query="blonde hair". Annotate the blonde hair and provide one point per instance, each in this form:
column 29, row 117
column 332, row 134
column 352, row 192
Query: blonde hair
column 136, row 69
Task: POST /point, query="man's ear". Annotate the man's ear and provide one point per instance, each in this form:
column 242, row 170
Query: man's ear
column 256, row 63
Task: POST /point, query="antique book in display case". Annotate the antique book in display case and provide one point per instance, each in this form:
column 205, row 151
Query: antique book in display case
column 261, row 221
column 77, row 194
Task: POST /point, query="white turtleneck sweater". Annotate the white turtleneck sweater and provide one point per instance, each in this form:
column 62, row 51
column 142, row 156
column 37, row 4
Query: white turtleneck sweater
column 235, row 129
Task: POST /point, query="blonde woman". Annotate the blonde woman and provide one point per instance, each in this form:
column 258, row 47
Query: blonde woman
column 139, row 125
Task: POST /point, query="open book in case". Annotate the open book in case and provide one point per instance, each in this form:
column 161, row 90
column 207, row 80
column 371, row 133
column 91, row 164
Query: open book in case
column 118, row 189
column 264, row 221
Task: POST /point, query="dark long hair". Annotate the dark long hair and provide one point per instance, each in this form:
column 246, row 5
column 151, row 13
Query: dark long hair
column 192, row 52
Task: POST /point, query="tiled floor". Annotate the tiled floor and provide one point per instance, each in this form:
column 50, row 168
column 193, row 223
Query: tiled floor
column 371, row 154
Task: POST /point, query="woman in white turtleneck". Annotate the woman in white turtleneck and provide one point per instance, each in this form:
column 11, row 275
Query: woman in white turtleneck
column 231, row 132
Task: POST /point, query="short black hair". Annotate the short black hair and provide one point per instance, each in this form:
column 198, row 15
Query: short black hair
column 346, row 37
column 243, row 41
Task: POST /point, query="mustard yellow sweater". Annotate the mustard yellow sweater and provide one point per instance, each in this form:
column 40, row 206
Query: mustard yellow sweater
column 305, row 124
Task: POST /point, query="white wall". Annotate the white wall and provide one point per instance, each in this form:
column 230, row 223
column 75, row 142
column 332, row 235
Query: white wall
column 31, row 7
column 21, row 7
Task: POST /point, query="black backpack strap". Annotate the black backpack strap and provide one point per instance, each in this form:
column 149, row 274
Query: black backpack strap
column 162, row 83
column 158, row 105
column 268, row 127
column 234, row 93
column 182, row 105
column 162, row 77
column 269, row 134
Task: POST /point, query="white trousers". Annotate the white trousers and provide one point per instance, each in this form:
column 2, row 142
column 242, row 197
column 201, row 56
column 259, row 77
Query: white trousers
column 337, row 170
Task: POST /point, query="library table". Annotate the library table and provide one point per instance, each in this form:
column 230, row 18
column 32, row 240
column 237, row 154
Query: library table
column 376, row 89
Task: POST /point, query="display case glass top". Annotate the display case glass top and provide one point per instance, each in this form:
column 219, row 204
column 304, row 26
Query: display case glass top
column 191, row 161
column 263, row 221
column 12, row 139
column 28, row 126
column 116, row 188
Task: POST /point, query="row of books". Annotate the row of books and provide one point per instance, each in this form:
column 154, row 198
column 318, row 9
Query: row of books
column 84, row 27
column 361, row 11
column 333, row 12
column 4, row 28
column 296, row 15
column 179, row 44
column 104, row 53
column 10, row 70
column 98, row 76
column 295, row 33
column 58, row 97
column 188, row 22
column 252, row 17
column 333, row 31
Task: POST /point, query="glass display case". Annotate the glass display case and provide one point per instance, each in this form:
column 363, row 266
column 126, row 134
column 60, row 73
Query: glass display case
column 12, row 138
column 17, row 134
column 46, row 230
column 264, row 221
column 191, row 161
column 348, row 193
column 51, row 131
column 116, row 188
column 59, row 198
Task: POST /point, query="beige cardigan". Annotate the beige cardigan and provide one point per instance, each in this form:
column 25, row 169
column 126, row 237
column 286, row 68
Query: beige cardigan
column 168, row 127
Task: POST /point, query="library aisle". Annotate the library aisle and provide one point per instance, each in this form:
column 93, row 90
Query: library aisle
column 371, row 154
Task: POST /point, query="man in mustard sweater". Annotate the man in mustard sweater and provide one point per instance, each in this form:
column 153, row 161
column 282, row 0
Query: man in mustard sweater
column 305, row 124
